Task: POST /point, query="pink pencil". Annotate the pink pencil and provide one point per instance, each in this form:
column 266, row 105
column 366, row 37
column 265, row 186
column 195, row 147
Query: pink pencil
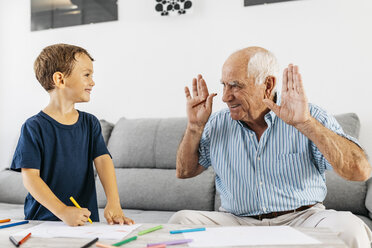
column 157, row 246
column 104, row 246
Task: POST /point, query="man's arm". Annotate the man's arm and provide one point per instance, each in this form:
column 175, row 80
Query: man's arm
column 347, row 159
column 199, row 108
column 41, row 192
column 188, row 156
column 106, row 172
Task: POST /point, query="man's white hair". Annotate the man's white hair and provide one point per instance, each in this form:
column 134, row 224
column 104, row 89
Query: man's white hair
column 261, row 65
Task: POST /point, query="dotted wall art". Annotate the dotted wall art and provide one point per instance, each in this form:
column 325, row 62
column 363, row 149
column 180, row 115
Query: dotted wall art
column 172, row 7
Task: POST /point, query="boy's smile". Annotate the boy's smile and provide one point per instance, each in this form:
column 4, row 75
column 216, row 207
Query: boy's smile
column 79, row 84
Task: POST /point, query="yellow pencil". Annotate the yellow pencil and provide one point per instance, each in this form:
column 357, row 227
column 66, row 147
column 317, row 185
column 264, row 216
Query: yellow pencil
column 77, row 205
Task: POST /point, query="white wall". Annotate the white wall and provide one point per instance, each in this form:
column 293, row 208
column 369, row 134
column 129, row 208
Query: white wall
column 143, row 61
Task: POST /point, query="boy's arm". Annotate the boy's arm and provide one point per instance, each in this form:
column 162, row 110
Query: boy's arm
column 106, row 172
column 41, row 192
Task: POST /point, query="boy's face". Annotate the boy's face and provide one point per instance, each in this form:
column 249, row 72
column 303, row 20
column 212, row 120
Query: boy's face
column 80, row 83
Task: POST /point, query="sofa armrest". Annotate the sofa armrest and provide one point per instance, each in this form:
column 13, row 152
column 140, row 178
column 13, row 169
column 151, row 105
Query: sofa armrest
column 11, row 187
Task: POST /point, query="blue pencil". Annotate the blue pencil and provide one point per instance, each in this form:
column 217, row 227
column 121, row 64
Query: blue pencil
column 14, row 224
column 187, row 230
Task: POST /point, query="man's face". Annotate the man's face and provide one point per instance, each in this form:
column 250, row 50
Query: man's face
column 80, row 83
column 240, row 93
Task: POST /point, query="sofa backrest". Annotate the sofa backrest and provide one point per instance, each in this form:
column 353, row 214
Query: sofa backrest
column 152, row 184
column 153, row 143
column 11, row 187
column 146, row 143
column 144, row 154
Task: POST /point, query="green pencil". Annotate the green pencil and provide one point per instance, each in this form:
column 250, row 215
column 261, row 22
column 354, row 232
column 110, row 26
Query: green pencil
column 150, row 230
column 125, row 241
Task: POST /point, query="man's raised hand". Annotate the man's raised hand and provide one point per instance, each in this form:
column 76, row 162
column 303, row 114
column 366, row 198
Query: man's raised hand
column 294, row 109
column 199, row 106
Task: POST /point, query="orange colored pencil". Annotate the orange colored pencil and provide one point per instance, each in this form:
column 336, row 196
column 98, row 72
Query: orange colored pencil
column 24, row 239
column 3, row 221
column 98, row 244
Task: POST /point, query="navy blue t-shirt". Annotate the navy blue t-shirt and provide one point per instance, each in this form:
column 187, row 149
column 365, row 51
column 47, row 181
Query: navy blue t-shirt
column 64, row 155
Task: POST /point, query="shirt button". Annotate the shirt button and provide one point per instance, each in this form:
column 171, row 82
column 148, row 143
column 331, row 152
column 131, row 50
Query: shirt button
column 264, row 209
column 251, row 134
column 261, row 183
column 258, row 158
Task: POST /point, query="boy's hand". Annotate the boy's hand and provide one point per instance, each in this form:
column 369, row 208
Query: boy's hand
column 74, row 216
column 114, row 215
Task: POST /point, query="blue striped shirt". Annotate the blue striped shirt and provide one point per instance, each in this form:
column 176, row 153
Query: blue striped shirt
column 283, row 171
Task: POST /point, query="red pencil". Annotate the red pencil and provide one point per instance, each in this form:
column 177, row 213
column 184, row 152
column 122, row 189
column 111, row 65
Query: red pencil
column 3, row 221
column 24, row 239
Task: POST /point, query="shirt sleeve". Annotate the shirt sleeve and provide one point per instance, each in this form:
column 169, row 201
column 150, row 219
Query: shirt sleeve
column 29, row 148
column 204, row 147
column 99, row 145
column 331, row 123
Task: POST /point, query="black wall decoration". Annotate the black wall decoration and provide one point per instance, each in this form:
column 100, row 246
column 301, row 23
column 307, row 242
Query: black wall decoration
column 168, row 7
column 256, row 2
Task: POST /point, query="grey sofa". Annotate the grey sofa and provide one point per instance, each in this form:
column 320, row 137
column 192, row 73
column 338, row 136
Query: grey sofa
column 144, row 154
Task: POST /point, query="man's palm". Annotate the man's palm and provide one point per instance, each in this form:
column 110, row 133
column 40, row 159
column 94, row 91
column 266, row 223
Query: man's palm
column 199, row 106
column 294, row 106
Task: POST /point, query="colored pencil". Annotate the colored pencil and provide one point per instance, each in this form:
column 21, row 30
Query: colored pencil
column 104, row 245
column 24, row 239
column 125, row 241
column 90, row 243
column 150, row 230
column 172, row 242
column 157, row 246
column 3, row 221
column 187, row 230
column 14, row 224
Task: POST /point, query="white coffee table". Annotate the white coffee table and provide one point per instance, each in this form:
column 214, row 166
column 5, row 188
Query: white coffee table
column 327, row 237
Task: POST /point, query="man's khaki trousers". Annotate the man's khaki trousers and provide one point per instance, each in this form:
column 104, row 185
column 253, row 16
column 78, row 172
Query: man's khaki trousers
column 352, row 230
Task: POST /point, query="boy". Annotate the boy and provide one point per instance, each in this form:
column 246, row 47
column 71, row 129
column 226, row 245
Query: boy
column 58, row 145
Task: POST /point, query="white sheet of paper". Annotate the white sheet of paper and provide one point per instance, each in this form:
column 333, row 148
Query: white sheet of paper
column 57, row 229
column 249, row 235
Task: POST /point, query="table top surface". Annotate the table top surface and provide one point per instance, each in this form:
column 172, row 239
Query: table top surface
column 326, row 236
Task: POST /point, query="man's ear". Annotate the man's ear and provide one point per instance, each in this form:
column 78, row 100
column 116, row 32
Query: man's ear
column 270, row 83
column 58, row 79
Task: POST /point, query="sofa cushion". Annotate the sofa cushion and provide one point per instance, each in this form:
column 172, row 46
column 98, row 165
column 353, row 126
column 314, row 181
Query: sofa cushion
column 343, row 194
column 12, row 180
column 168, row 137
column 350, row 123
column 369, row 197
column 160, row 189
column 106, row 128
column 146, row 143
column 366, row 220
column 141, row 216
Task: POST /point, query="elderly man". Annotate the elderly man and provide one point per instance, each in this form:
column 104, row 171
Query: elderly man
column 269, row 151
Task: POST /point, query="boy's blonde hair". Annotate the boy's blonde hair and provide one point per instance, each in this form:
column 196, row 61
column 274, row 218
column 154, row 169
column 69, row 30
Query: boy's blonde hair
column 56, row 58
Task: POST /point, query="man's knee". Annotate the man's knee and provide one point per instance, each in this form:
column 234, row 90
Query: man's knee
column 183, row 217
column 352, row 230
